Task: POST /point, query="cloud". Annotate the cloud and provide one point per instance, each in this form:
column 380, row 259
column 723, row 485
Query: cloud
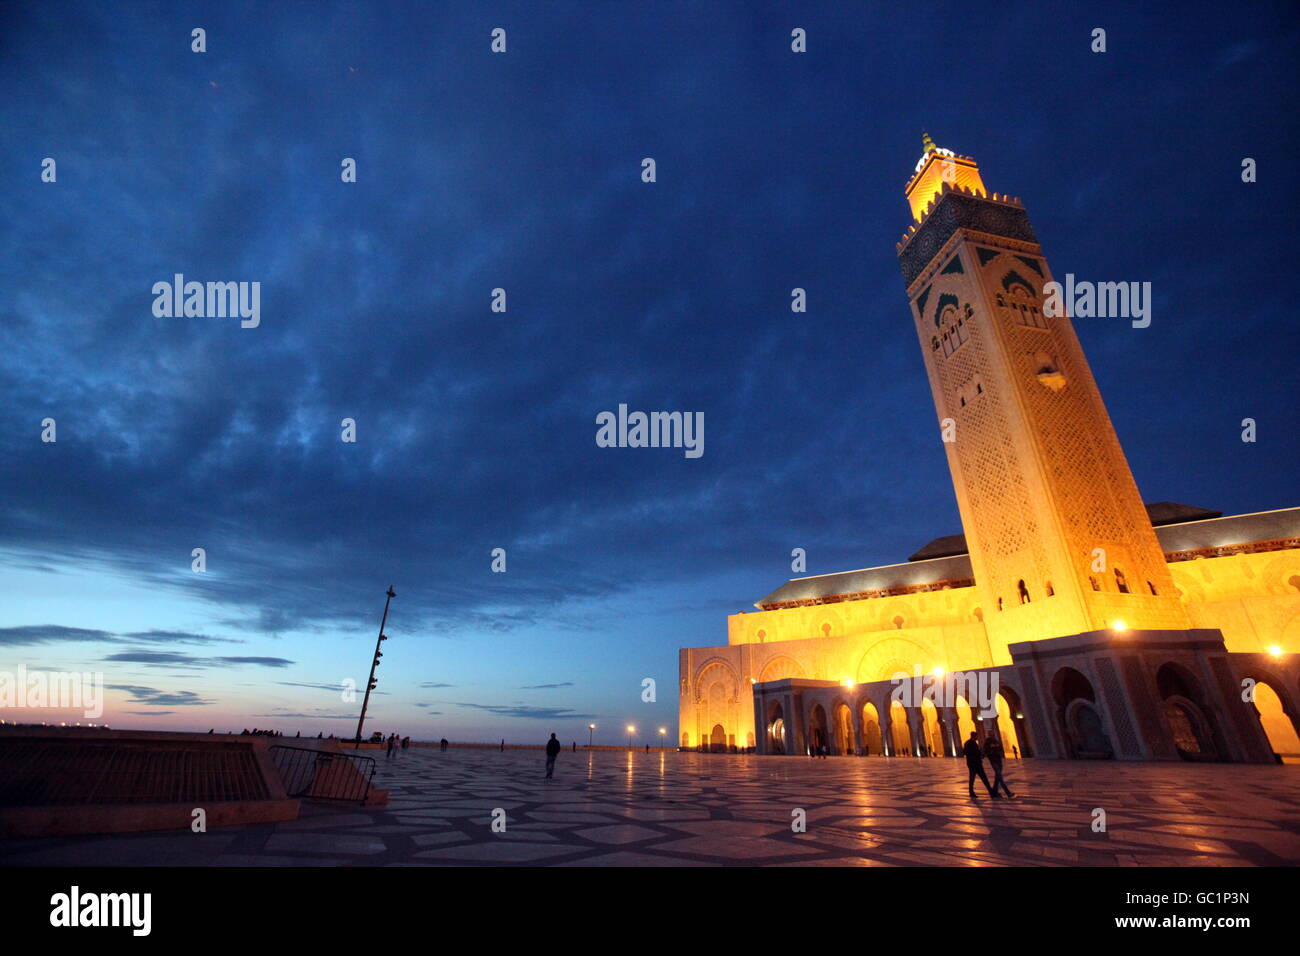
column 431, row 684
column 151, row 695
column 55, row 633
column 528, row 712
column 157, row 658
column 335, row 688
column 567, row 683
column 179, row 637
column 50, row 633
column 169, row 658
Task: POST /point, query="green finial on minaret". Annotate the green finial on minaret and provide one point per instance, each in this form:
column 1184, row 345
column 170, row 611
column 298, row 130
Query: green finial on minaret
column 927, row 144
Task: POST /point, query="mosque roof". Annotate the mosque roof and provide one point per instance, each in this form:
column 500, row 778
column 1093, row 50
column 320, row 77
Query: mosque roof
column 944, row 562
column 931, row 574
column 1161, row 513
column 1220, row 532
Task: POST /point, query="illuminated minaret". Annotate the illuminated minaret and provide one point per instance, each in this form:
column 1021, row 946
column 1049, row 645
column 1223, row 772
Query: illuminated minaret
column 1059, row 540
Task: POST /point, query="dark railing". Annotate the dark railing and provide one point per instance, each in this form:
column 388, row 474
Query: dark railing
column 321, row 775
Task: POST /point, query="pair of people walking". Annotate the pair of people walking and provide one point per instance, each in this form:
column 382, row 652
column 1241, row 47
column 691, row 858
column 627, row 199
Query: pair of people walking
column 975, row 756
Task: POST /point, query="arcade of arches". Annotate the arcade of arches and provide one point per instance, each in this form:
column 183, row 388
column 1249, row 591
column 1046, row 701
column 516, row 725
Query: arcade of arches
column 1087, row 713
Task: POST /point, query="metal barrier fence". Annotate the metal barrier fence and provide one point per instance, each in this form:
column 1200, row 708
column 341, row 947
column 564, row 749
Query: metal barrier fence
column 321, row 775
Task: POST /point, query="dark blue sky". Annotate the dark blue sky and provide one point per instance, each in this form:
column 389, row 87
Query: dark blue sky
column 476, row 429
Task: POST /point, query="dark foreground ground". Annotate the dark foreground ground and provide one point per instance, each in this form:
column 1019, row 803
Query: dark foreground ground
column 606, row 808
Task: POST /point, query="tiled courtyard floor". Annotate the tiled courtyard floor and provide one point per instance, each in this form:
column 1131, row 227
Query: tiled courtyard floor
column 610, row 808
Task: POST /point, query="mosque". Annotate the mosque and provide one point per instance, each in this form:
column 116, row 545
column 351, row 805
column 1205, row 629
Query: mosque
column 1087, row 624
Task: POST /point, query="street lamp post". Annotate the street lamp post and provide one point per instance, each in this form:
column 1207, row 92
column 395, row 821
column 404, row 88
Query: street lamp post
column 591, row 730
column 662, row 731
column 370, row 684
column 630, row 731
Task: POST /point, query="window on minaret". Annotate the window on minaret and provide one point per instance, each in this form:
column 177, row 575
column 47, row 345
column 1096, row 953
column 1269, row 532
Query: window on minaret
column 1093, row 582
column 953, row 323
column 1050, row 592
column 1024, row 591
column 1021, row 303
column 1121, row 582
column 1152, row 587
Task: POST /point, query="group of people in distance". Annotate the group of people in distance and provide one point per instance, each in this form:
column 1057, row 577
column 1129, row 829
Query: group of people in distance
column 975, row 754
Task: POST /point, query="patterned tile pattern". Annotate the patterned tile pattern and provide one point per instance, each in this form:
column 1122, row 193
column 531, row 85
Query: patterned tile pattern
column 608, row 808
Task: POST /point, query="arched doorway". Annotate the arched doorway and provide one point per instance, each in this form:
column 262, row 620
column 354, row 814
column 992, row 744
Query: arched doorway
column 965, row 722
column 818, row 734
column 718, row 739
column 933, row 743
column 871, row 740
column 1281, row 728
column 1011, row 724
column 900, row 734
column 844, row 743
column 717, row 696
column 776, row 729
column 1183, row 706
column 1081, row 721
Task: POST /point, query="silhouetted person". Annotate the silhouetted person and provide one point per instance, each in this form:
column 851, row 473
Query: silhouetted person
column 1015, row 751
column 443, row 744
column 975, row 765
column 993, row 751
column 392, row 745
column 503, row 743
column 647, row 748
column 575, row 746
column 406, row 742
column 552, row 751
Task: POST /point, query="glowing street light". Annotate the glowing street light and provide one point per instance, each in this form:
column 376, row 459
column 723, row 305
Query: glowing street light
column 631, row 729
column 1119, row 627
column 662, row 731
column 591, row 729
column 1275, row 650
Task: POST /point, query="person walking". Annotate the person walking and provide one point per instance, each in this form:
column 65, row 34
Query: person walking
column 552, row 751
column 975, row 766
column 994, row 753
column 392, row 746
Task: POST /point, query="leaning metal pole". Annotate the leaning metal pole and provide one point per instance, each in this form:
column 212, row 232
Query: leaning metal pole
column 374, row 662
